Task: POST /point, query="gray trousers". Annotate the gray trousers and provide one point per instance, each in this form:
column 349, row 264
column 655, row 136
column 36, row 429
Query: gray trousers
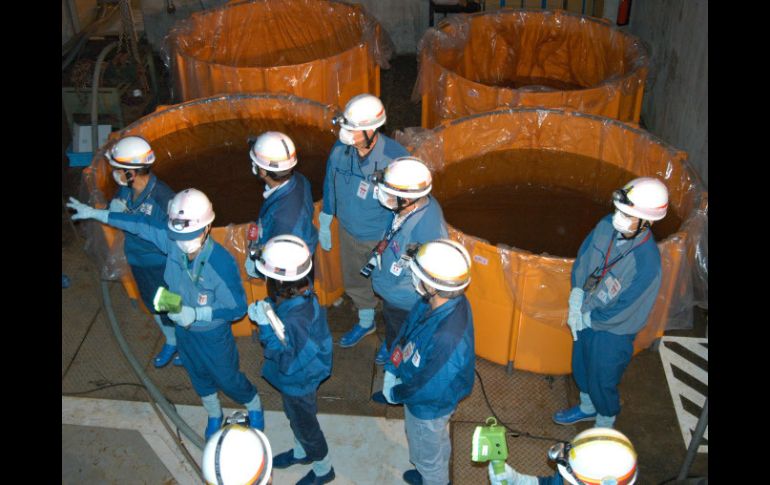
column 429, row 447
column 353, row 255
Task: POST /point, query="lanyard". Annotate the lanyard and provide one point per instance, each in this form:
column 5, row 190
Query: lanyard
column 394, row 229
column 142, row 197
column 615, row 261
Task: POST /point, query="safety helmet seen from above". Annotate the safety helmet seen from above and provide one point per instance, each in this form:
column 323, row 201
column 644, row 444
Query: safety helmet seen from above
column 237, row 455
column 274, row 152
column 643, row 197
column 406, row 177
column 362, row 112
column 285, row 258
column 189, row 212
column 597, row 456
column 442, row 264
column 131, row 152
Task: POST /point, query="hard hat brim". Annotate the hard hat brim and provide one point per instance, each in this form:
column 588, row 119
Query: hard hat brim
column 184, row 236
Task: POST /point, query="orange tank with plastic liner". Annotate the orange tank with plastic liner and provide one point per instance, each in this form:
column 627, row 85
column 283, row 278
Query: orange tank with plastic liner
column 204, row 144
column 522, row 188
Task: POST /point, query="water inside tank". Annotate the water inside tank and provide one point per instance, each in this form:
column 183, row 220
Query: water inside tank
column 214, row 158
column 542, row 201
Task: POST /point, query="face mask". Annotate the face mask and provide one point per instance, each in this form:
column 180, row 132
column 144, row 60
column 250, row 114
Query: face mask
column 417, row 286
column 189, row 247
column 386, row 199
column 346, row 137
column 119, row 179
column 621, row 222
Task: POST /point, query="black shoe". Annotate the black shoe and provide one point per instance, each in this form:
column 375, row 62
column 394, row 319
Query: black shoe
column 286, row 459
column 311, row 479
column 412, row 477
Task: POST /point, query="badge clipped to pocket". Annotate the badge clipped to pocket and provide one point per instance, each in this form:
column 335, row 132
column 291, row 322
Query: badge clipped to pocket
column 396, row 356
column 396, row 268
column 203, row 299
column 363, row 189
column 613, row 286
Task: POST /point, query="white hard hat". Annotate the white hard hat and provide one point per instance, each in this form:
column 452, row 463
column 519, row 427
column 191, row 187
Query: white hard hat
column 598, row 456
column 442, row 264
column 237, row 455
column 406, row 177
column 189, row 212
column 363, row 112
column 274, row 152
column 131, row 152
column 643, row 197
column 285, row 258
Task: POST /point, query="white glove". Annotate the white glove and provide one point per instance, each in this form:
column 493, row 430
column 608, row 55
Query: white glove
column 118, row 205
column 251, row 268
column 324, row 231
column 586, row 320
column 388, row 382
column 575, row 316
column 257, row 313
column 510, row 477
column 184, row 318
column 85, row 211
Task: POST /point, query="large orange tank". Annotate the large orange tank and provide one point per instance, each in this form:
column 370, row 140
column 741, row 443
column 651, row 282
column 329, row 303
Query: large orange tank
column 520, row 58
column 323, row 50
column 203, row 144
column 535, row 182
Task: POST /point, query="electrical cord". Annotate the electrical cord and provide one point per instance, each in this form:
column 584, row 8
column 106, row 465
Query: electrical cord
column 689, row 477
column 513, row 432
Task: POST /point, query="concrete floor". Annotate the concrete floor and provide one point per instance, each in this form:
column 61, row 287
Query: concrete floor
column 105, row 441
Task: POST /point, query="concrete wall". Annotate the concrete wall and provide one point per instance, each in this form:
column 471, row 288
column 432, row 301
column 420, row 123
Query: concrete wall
column 675, row 104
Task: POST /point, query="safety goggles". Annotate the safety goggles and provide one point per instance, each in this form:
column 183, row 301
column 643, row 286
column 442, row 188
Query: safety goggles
column 559, row 453
column 621, row 196
column 180, row 224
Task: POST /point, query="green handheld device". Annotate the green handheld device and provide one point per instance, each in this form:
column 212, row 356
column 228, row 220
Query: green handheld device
column 489, row 445
column 166, row 301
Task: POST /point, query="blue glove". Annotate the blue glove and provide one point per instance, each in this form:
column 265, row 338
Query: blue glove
column 324, row 231
column 251, row 269
column 85, row 211
column 118, row 205
column 257, row 313
column 185, row 317
column 575, row 316
column 510, row 477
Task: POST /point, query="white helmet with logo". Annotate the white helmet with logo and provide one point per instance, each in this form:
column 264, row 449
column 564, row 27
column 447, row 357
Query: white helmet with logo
column 442, row 264
column 643, row 197
column 363, row 112
column 406, row 177
column 274, row 152
column 237, row 455
column 285, row 258
column 596, row 456
column 131, row 152
column 189, row 212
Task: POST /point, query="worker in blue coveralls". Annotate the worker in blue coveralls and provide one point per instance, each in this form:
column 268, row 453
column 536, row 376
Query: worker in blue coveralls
column 297, row 348
column 432, row 359
column 615, row 281
column 288, row 206
column 140, row 191
column 596, row 455
column 416, row 217
column 207, row 278
column 351, row 195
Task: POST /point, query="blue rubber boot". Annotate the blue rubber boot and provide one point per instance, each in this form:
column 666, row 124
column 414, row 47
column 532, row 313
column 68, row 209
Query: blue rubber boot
column 286, row 459
column 213, row 425
column 412, row 477
column 178, row 361
column 572, row 415
column 364, row 327
column 165, row 355
column 312, row 479
column 382, row 355
column 257, row 420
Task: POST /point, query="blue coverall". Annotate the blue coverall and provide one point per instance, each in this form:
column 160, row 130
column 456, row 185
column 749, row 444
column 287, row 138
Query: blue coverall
column 289, row 210
column 298, row 366
column 212, row 280
column 619, row 307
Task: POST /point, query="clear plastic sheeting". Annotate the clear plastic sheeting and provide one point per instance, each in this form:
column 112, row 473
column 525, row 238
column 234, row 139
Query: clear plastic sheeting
column 204, row 144
column 524, row 58
column 324, row 50
column 519, row 297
